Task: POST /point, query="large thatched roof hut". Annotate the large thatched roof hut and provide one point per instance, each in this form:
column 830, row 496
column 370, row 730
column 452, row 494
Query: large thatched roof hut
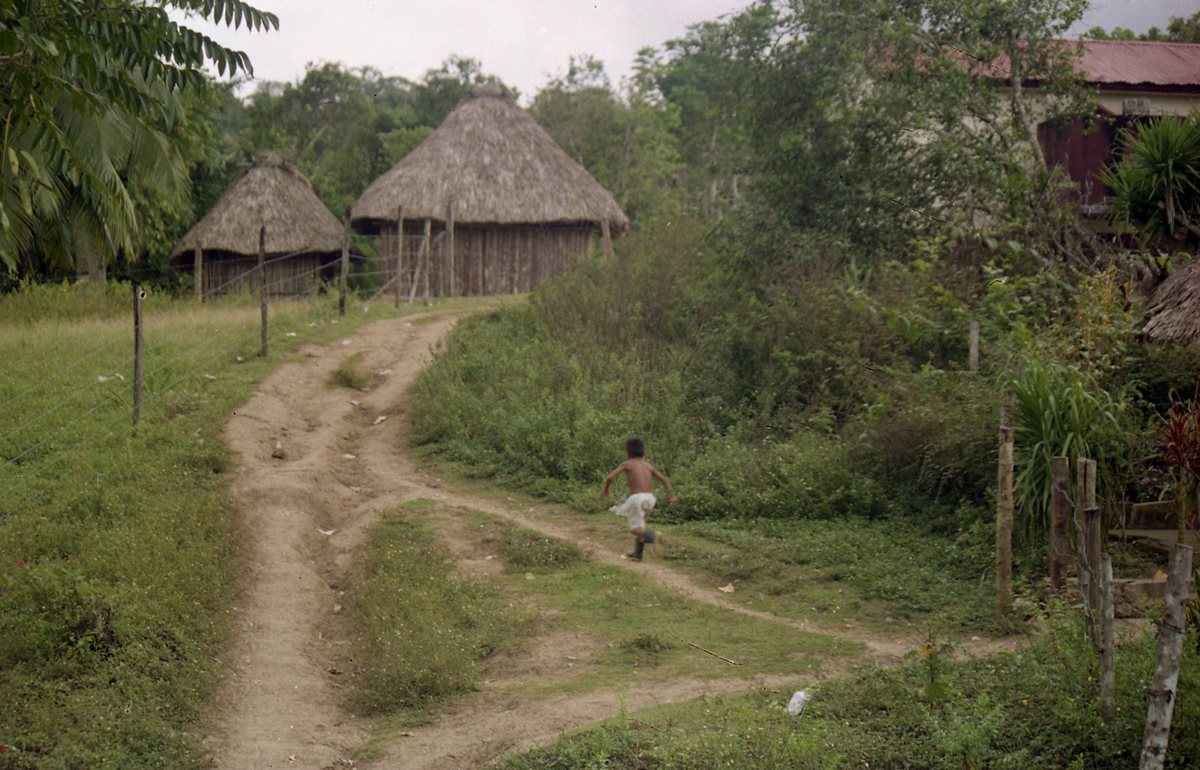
column 499, row 203
column 303, row 238
column 1173, row 312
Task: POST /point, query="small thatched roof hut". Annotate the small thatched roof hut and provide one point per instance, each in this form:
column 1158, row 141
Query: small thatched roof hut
column 1173, row 312
column 503, row 205
column 303, row 238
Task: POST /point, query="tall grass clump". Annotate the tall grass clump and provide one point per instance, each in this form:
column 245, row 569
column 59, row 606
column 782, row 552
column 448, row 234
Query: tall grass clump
column 422, row 630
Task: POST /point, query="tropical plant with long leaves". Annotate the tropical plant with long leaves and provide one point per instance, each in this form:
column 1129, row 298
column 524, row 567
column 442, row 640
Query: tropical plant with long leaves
column 1156, row 181
column 89, row 98
column 1059, row 412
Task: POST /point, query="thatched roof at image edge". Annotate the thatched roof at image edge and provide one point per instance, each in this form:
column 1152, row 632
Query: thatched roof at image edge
column 272, row 193
column 1173, row 313
column 493, row 161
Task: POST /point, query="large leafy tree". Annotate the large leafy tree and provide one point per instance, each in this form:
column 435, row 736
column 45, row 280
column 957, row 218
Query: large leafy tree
column 90, row 105
column 709, row 76
column 878, row 121
column 626, row 140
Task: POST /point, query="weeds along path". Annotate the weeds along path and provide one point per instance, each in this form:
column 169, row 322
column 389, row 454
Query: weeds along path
column 316, row 466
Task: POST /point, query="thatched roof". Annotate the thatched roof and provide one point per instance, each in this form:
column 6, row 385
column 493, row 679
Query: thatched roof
column 497, row 165
column 271, row 193
column 1173, row 313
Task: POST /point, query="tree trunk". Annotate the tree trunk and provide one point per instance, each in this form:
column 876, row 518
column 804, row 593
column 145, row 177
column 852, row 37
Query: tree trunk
column 1166, row 672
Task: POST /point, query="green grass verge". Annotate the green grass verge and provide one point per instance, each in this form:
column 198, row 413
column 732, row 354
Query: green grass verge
column 118, row 555
column 886, row 574
column 1037, row 709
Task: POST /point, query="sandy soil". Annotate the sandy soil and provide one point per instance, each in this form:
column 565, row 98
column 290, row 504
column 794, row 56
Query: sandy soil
column 314, row 470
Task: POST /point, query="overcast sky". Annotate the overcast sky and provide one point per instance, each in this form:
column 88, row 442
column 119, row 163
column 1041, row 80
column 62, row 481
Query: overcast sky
column 524, row 42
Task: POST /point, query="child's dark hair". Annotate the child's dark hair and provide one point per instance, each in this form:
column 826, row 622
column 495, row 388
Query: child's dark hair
column 635, row 447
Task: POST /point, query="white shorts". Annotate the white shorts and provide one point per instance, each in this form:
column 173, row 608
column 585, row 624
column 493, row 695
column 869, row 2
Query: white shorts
column 636, row 508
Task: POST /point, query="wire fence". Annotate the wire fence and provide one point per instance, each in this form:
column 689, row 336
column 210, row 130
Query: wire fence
column 41, row 438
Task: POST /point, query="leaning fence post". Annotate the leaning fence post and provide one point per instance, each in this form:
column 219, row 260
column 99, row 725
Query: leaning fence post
column 262, row 287
column 1166, row 671
column 1004, row 519
column 345, row 262
column 973, row 354
column 138, row 294
column 1060, row 517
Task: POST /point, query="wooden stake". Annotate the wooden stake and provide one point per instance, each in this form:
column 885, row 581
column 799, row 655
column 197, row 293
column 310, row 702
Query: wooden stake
column 1108, row 648
column 1166, row 671
column 1060, row 518
column 396, row 290
column 138, row 294
column 606, row 237
column 198, row 272
column 450, row 248
column 345, row 276
column 426, row 247
column 973, row 355
column 1090, row 581
column 1004, row 522
column 262, row 287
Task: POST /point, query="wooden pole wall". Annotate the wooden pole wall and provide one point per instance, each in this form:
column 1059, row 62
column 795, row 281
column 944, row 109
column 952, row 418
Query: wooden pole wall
column 450, row 248
column 345, row 273
column 198, row 272
column 262, row 288
column 397, row 288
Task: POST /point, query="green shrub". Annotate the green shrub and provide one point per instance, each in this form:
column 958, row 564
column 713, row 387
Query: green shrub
column 525, row 550
column 808, row 476
column 422, row 630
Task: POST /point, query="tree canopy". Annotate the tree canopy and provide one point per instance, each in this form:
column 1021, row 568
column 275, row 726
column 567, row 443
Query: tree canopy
column 92, row 113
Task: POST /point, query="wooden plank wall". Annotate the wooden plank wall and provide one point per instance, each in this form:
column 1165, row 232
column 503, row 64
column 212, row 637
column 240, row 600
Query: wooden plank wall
column 286, row 278
column 513, row 259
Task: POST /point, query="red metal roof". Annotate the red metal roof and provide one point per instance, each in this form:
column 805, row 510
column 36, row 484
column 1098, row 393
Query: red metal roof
column 1138, row 62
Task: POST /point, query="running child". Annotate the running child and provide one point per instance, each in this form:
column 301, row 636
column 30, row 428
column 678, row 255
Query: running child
column 641, row 501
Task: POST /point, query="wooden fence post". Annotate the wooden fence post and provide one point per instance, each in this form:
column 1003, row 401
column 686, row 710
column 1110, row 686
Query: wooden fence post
column 396, row 290
column 345, row 276
column 1166, row 671
column 973, row 355
column 1060, row 517
column 606, row 237
column 198, row 272
column 138, row 294
column 262, row 287
column 450, row 248
column 1004, row 520
column 1108, row 642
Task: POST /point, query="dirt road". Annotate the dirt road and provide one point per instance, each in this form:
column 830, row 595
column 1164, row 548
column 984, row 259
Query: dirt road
column 316, row 466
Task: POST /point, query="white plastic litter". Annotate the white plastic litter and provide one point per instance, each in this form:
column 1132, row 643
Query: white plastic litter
column 799, row 700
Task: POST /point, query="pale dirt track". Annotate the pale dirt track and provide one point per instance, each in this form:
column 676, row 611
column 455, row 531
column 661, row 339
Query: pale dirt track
column 281, row 704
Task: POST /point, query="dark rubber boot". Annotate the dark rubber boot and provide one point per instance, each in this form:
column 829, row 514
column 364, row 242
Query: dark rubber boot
column 638, row 548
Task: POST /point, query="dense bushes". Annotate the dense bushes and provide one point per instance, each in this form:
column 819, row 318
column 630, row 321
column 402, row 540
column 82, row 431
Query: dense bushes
column 805, row 393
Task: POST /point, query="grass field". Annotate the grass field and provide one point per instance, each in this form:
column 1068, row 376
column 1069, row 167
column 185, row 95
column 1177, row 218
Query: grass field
column 118, row 554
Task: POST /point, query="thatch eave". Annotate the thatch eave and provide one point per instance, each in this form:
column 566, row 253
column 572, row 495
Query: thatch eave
column 270, row 193
column 496, row 165
column 1173, row 313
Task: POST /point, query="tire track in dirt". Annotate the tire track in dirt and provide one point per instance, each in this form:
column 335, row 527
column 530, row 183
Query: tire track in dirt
column 305, row 514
